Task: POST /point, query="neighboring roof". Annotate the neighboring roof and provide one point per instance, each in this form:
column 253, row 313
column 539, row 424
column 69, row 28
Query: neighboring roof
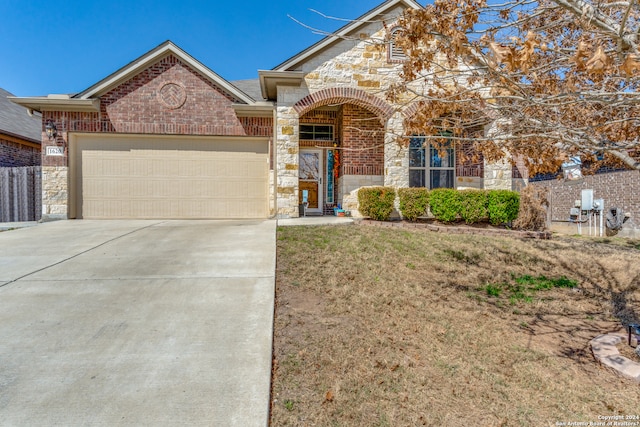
column 344, row 31
column 16, row 121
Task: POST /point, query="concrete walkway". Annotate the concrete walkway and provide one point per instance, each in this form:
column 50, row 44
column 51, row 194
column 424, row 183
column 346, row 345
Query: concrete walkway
column 146, row 323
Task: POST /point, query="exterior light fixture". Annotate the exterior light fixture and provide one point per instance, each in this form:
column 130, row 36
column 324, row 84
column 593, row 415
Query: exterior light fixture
column 51, row 129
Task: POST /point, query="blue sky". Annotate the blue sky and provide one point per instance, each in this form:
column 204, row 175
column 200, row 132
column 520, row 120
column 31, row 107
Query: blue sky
column 65, row 46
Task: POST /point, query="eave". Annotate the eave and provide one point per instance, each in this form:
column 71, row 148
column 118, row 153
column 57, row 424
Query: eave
column 270, row 80
column 57, row 103
column 265, row 109
column 18, row 139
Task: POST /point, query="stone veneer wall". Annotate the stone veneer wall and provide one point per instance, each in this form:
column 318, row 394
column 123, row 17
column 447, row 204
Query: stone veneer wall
column 497, row 176
column 54, row 192
column 287, row 153
column 351, row 183
column 396, row 154
column 356, row 71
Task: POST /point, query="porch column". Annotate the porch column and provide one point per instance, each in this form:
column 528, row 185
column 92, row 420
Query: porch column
column 287, row 155
column 55, row 170
column 497, row 176
column 396, row 156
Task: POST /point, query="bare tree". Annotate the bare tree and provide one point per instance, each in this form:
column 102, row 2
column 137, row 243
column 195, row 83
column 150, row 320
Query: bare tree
column 553, row 78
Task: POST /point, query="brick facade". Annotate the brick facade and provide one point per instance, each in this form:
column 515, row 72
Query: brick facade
column 362, row 141
column 618, row 189
column 167, row 98
column 14, row 154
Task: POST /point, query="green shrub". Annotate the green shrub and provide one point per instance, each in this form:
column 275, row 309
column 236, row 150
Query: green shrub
column 376, row 202
column 503, row 206
column 472, row 205
column 444, row 203
column 414, row 202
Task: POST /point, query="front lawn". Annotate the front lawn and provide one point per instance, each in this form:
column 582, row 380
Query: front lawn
column 392, row 327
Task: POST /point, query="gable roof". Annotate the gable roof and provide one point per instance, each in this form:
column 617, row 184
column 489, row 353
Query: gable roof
column 88, row 100
column 15, row 120
column 165, row 49
column 344, row 31
column 251, row 87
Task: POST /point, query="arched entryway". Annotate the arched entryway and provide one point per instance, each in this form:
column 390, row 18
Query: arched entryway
column 341, row 140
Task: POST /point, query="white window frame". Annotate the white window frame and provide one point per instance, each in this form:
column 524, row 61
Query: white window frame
column 426, row 168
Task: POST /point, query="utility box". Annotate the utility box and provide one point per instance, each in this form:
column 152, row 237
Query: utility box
column 587, row 200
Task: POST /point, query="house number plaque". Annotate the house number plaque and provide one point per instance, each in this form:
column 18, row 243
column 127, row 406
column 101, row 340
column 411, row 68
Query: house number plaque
column 53, row 150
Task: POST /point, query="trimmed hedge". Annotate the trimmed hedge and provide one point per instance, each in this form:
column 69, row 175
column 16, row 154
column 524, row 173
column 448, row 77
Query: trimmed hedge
column 414, row 202
column 498, row 206
column 503, row 206
column 472, row 205
column 376, row 202
column 444, row 203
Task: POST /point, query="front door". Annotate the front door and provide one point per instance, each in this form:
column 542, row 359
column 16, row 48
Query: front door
column 310, row 179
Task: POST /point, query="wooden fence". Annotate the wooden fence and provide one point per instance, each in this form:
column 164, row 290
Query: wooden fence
column 20, row 194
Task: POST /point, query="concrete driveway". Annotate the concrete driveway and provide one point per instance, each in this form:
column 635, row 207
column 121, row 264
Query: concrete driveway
column 136, row 323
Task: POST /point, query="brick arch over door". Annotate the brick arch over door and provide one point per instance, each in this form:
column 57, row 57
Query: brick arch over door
column 342, row 95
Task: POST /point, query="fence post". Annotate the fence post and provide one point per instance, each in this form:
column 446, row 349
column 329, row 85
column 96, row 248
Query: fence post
column 4, row 194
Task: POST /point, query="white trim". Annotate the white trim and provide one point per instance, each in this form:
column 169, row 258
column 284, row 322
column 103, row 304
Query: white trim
column 265, row 109
column 270, row 80
column 49, row 103
column 319, row 181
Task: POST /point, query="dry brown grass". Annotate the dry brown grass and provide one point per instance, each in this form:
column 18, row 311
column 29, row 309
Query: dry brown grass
column 391, row 327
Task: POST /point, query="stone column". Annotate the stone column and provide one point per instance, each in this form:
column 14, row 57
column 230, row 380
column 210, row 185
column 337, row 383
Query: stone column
column 54, row 192
column 396, row 156
column 287, row 164
column 497, row 176
column 55, row 170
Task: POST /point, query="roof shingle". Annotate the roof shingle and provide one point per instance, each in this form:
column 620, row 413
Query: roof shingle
column 15, row 121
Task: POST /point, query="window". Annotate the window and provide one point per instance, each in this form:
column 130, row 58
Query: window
column 429, row 167
column 330, row 176
column 316, row 132
column 396, row 53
